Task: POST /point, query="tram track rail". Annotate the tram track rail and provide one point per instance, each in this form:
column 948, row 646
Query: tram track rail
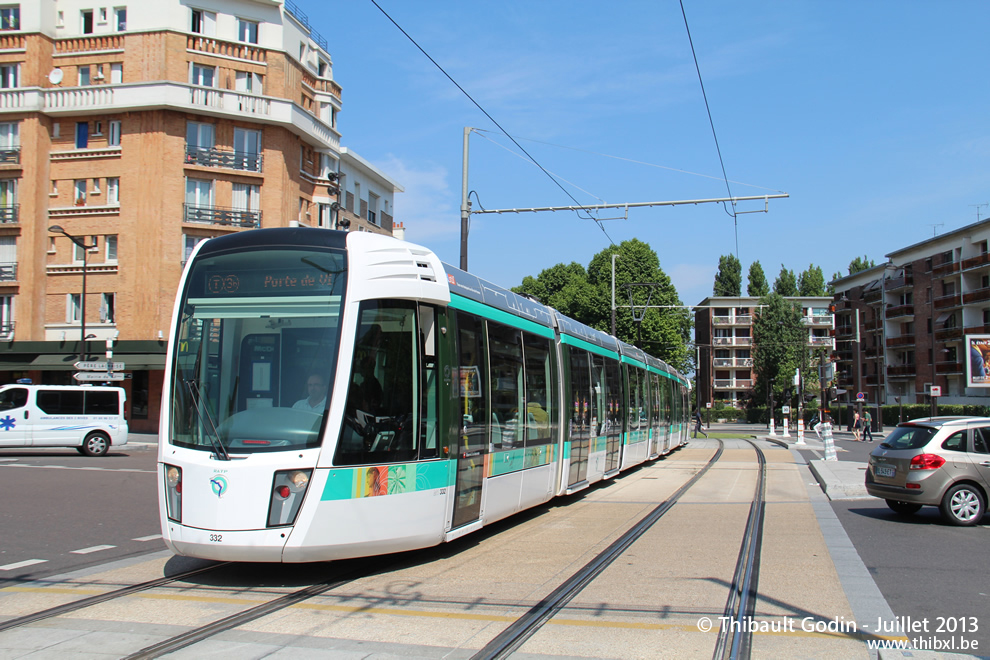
column 734, row 637
column 517, row 633
column 90, row 601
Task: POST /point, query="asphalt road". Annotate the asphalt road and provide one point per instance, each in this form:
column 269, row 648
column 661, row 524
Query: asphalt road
column 63, row 511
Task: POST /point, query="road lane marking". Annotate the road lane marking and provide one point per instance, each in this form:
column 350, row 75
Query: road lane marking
column 95, row 548
column 22, row 564
column 66, row 467
column 148, row 538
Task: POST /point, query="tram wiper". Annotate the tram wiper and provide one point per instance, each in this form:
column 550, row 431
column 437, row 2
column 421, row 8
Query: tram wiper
column 205, row 416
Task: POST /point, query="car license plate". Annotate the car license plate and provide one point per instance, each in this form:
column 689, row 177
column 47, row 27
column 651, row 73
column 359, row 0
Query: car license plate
column 886, row 471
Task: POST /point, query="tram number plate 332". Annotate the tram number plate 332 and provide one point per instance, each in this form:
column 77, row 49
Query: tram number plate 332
column 216, row 538
column 886, row 471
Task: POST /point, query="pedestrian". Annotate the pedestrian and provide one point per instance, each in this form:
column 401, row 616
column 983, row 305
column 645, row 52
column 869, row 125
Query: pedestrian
column 697, row 424
column 857, row 423
column 867, row 423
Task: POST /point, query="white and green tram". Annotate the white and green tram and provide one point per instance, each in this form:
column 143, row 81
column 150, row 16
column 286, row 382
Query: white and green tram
column 331, row 395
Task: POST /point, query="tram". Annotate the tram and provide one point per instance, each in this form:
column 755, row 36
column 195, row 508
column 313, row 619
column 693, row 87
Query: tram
column 331, row 395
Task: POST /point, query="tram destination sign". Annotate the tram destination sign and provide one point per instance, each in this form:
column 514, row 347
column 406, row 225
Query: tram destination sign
column 97, row 376
column 99, row 366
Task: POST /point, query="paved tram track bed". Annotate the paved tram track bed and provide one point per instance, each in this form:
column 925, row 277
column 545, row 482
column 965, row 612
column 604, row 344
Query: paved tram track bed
column 454, row 599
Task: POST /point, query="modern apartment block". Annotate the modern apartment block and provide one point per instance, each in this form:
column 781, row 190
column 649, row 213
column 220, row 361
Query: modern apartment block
column 724, row 339
column 901, row 326
column 140, row 129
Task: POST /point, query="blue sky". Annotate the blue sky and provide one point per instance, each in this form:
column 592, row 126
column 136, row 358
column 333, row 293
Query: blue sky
column 871, row 115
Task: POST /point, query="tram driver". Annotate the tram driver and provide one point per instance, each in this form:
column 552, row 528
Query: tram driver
column 316, row 401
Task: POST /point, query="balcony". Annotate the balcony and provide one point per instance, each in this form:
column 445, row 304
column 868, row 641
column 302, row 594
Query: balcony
column 180, row 97
column 900, row 342
column 902, row 371
column 820, row 341
column 945, row 269
column 949, row 367
column 819, row 320
column 722, row 363
column 844, row 331
column 976, row 262
column 218, row 215
column 977, row 330
column 895, row 283
column 732, row 320
column 10, row 215
column 732, row 384
column 977, row 295
column 900, row 310
column 10, row 155
column 948, row 334
column 93, row 44
column 214, row 157
column 8, row 272
column 231, row 49
column 873, row 295
column 947, row 302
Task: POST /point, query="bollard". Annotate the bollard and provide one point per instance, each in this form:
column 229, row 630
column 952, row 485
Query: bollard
column 800, row 440
column 786, row 432
column 829, row 445
column 772, row 427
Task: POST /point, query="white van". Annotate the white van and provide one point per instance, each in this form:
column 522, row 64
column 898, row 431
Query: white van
column 91, row 419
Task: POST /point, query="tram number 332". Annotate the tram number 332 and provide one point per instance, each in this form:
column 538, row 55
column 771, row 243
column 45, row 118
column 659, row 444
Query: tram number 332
column 216, row 538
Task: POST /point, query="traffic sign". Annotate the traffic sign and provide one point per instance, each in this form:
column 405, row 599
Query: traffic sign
column 786, row 410
column 98, row 366
column 861, row 396
column 98, row 376
column 936, row 390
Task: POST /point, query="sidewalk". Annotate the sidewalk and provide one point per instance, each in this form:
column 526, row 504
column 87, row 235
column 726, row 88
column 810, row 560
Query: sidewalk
column 839, row 480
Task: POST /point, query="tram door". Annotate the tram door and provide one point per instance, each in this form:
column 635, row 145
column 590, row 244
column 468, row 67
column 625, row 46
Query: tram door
column 473, row 437
column 613, row 412
column 583, row 418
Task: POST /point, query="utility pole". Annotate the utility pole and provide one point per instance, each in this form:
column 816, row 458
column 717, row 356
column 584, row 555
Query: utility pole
column 465, row 202
column 615, row 255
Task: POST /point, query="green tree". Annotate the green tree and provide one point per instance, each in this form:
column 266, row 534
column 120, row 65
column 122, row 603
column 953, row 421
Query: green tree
column 665, row 330
column 812, row 282
column 758, row 285
column 728, row 279
column 564, row 287
column 586, row 296
column 857, row 265
column 786, row 283
column 780, row 341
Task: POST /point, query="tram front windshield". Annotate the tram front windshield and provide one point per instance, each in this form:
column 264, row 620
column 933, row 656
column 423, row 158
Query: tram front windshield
column 257, row 349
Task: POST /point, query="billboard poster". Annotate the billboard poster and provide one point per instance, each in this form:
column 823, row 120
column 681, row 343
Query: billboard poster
column 977, row 360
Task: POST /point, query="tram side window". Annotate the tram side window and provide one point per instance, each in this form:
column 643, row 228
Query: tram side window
column 380, row 423
column 655, row 401
column 634, row 400
column 580, row 396
column 599, row 400
column 506, row 364
column 473, row 402
column 541, row 418
column 613, row 377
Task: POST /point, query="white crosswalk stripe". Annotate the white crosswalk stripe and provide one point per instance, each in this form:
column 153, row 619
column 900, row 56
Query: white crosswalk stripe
column 22, row 564
column 95, row 548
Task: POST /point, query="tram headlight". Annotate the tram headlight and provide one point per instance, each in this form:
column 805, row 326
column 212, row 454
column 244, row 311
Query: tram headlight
column 173, row 492
column 288, row 490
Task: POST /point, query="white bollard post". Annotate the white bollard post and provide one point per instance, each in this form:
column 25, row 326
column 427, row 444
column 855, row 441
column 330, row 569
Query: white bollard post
column 772, row 427
column 786, row 431
column 829, row 444
column 800, row 440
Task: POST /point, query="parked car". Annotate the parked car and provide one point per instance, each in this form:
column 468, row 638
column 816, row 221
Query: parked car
column 936, row 461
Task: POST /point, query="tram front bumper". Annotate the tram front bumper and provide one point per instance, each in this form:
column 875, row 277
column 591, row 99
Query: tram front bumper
column 263, row 545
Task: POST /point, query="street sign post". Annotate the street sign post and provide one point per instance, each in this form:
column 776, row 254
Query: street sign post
column 99, row 366
column 97, row 376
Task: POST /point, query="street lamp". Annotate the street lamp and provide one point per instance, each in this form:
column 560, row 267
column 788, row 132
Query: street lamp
column 57, row 229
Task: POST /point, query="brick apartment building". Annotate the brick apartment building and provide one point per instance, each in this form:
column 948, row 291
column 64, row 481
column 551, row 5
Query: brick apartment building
column 901, row 326
column 141, row 128
column 724, row 339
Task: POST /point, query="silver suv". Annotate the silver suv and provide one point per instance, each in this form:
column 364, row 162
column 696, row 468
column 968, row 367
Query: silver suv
column 936, row 461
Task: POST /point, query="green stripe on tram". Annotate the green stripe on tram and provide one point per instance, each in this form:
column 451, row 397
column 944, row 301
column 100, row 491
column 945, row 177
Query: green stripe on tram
column 588, row 346
column 489, row 312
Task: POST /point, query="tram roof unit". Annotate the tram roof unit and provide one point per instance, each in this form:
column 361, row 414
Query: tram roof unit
column 275, row 237
column 474, row 288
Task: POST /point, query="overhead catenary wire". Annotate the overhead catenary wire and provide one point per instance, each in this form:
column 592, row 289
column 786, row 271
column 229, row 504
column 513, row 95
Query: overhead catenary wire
column 711, row 122
column 491, row 119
